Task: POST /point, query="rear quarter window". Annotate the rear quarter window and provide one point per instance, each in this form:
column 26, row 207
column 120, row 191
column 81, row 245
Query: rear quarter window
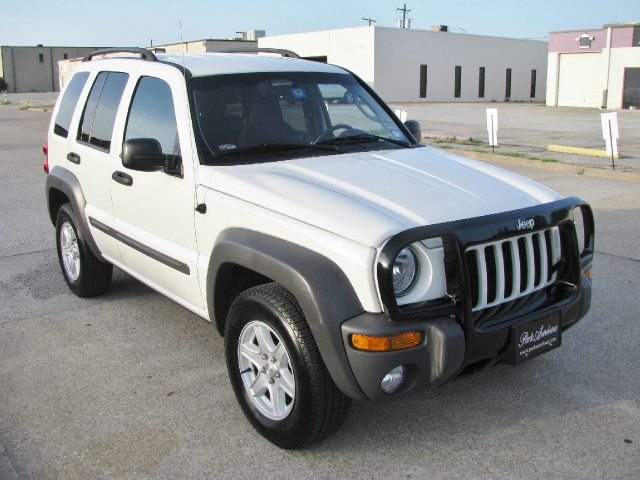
column 96, row 125
column 68, row 103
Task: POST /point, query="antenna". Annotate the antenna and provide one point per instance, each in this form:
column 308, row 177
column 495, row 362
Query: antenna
column 184, row 68
column 404, row 11
column 370, row 20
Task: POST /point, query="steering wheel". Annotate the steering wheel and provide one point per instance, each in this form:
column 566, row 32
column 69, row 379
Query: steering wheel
column 340, row 126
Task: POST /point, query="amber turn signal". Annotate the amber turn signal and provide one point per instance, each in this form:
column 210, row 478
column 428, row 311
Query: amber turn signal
column 386, row 343
column 588, row 274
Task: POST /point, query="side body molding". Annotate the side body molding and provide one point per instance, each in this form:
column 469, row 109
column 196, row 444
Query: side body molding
column 320, row 286
column 65, row 181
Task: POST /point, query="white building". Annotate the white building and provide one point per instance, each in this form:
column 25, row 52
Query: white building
column 597, row 68
column 405, row 65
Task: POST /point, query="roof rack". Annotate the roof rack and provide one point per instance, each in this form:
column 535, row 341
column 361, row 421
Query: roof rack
column 143, row 52
column 280, row 51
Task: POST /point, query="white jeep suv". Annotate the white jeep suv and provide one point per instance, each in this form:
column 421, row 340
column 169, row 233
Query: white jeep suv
column 339, row 257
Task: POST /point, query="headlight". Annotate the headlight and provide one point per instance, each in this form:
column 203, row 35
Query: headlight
column 404, row 272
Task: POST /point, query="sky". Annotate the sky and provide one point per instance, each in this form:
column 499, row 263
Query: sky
column 137, row 23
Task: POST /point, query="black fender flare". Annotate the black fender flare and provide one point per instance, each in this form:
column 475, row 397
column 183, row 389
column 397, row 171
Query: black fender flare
column 322, row 289
column 64, row 180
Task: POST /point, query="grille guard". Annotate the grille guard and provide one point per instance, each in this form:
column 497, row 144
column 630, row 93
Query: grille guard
column 458, row 235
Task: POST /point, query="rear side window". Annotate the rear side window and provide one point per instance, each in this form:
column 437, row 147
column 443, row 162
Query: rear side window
column 152, row 115
column 96, row 125
column 68, row 104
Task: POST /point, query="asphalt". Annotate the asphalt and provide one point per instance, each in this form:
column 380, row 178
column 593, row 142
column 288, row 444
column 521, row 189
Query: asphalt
column 130, row 385
column 529, row 128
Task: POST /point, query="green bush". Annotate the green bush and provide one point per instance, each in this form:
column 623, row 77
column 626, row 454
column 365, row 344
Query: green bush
column 3, row 84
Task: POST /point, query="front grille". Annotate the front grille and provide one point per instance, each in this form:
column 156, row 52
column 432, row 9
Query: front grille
column 511, row 270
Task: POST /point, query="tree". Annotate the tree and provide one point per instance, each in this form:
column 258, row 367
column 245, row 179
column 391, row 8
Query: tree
column 3, row 85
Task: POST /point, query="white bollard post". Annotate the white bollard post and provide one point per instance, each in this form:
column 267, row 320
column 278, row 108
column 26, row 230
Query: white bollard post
column 492, row 127
column 610, row 135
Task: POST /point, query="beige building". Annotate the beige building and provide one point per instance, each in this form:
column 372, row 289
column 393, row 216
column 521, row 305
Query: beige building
column 597, row 68
column 407, row 65
column 35, row 69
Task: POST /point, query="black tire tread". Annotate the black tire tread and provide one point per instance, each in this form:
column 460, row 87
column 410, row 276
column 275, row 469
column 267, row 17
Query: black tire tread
column 331, row 406
column 95, row 275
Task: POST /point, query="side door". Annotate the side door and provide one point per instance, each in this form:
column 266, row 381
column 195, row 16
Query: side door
column 154, row 210
column 90, row 154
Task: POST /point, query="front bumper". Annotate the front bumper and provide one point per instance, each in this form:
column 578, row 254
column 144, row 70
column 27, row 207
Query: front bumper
column 454, row 341
column 441, row 356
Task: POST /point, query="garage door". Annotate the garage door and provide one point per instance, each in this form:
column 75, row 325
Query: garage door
column 581, row 80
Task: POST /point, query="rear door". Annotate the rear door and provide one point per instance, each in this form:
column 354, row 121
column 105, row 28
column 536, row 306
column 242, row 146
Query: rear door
column 154, row 210
column 89, row 155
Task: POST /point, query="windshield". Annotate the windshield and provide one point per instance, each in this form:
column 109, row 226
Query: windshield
column 277, row 115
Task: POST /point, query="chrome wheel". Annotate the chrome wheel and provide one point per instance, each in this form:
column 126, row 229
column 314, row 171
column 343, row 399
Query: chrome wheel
column 70, row 251
column 266, row 370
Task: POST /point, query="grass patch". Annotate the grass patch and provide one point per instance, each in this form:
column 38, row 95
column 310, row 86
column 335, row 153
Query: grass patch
column 511, row 154
column 45, row 107
column 444, row 146
column 480, row 150
column 468, row 142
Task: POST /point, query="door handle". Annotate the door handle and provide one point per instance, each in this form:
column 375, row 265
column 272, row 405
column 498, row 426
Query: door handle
column 122, row 178
column 73, row 157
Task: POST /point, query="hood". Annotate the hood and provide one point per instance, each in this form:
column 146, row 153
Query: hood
column 369, row 196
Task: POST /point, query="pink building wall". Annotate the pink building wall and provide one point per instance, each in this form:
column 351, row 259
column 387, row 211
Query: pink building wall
column 622, row 37
column 566, row 41
column 560, row 42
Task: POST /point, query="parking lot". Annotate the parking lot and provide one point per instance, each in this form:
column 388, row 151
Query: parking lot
column 530, row 128
column 130, row 385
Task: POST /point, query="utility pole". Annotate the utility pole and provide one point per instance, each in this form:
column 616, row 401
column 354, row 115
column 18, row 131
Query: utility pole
column 370, row 20
column 404, row 11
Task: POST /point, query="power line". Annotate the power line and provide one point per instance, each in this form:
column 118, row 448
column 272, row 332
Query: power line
column 404, row 11
column 370, row 20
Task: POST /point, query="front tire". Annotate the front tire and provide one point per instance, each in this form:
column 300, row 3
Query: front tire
column 276, row 370
column 84, row 273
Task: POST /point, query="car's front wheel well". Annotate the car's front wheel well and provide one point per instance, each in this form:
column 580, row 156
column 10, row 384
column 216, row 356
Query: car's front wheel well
column 56, row 199
column 231, row 281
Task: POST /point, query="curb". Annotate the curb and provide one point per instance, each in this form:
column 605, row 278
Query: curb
column 557, row 167
column 591, row 152
column 7, row 472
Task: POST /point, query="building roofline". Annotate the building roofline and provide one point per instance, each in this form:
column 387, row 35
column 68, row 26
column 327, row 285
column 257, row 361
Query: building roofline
column 608, row 25
column 409, row 30
column 204, row 40
column 50, row 46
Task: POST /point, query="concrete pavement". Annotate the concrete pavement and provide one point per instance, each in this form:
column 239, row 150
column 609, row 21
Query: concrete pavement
column 130, row 385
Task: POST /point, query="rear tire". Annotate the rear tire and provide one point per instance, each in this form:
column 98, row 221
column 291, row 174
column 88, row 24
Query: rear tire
column 312, row 407
column 85, row 274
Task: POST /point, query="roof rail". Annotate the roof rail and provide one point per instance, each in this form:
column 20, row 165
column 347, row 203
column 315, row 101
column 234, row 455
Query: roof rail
column 143, row 52
column 280, row 51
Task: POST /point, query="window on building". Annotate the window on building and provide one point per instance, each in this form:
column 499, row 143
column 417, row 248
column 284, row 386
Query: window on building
column 507, row 89
column 65, row 56
column 532, row 94
column 585, row 40
column 481, row 75
column 41, row 57
column 423, row 81
column 68, row 103
column 98, row 117
column 458, row 83
column 152, row 115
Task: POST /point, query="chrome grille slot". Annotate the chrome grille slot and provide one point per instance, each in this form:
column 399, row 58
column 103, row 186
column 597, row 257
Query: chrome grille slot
column 513, row 268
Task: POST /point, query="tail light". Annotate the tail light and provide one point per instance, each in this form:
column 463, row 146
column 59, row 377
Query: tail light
column 45, row 150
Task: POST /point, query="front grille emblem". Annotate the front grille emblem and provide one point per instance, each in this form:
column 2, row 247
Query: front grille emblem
column 525, row 224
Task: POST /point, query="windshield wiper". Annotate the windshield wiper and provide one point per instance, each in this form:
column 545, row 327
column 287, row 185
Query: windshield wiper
column 275, row 148
column 361, row 138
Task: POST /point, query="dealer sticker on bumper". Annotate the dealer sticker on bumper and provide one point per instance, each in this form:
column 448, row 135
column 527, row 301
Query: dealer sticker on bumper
column 533, row 338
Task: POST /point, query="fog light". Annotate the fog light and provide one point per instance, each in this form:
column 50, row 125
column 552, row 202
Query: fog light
column 393, row 380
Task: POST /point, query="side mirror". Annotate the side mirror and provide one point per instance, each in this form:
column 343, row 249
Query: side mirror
column 143, row 154
column 414, row 127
